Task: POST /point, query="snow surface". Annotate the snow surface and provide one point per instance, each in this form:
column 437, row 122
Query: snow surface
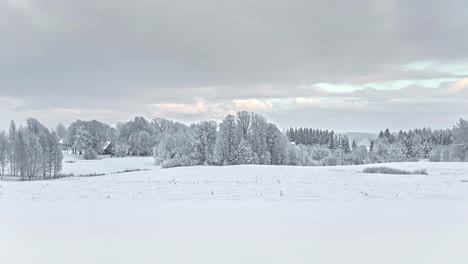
column 247, row 182
column 238, row 214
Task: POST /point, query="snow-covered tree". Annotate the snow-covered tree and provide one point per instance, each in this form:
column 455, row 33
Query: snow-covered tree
column 55, row 155
column 292, row 155
column 121, row 150
column 276, row 144
column 141, row 143
column 227, row 141
column 88, row 137
column 257, row 136
column 359, row 155
column 61, row 131
column 4, row 149
column 173, row 146
column 203, row 142
column 244, row 153
column 460, row 132
column 331, row 141
column 243, row 123
column 145, row 142
column 12, row 155
column 138, row 134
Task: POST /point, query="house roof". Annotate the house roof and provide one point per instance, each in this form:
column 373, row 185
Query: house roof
column 107, row 144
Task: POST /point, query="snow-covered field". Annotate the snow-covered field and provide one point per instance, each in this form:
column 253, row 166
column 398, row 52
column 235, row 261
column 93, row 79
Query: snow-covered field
column 446, row 181
column 238, row 214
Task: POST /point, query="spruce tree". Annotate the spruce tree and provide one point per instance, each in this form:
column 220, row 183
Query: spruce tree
column 354, row 145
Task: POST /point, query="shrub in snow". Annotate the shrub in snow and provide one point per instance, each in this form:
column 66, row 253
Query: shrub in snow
column 330, row 161
column 448, row 154
column 458, row 153
column 434, row 155
column 319, row 152
column 176, row 162
column 121, row 150
column 358, row 155
column 90, row 154
column 314, row 163
column 387, row 170
column 170, row 163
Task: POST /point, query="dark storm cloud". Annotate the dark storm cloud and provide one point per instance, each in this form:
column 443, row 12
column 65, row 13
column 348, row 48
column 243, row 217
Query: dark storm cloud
column 121, row 55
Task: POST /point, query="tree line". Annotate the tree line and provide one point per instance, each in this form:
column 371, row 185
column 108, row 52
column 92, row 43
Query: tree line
column 320, row 147
column 318, row 137
column 416, row 144
column 244, row 138
column 33, row 151
column 248, row 138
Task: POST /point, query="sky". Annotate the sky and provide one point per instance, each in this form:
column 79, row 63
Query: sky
column 350, row 65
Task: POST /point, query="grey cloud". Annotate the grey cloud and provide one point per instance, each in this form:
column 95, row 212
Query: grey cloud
column 364, row 110
column 123, row 55
column 407, row 108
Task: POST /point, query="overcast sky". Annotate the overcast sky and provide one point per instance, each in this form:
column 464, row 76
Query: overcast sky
column 351, row 65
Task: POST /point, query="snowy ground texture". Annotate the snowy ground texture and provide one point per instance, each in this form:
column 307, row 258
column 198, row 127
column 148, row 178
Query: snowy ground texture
column 447, row 181
column 239, row 214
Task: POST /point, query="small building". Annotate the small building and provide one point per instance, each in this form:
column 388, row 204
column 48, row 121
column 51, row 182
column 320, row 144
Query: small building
column 108, row 148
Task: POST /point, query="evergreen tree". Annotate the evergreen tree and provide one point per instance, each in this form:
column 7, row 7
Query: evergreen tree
column 387, row 133
column 381, row 134
column 331, row 140
column 346, row 147
column 354, row 145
